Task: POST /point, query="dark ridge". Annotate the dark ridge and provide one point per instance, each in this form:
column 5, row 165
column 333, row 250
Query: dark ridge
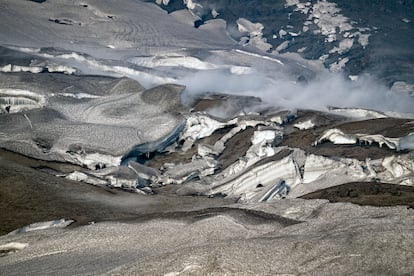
column 37, row 1
column 236, row 147
column 60, row 167
column 367, row 193
column 243, row 215
column 388, row 127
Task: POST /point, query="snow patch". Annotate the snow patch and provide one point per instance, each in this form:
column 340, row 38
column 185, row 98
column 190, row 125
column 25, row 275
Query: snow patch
column 358, row 113
column 304, row 125
column 397, row 167
column 59, row 223
column 18, row 100
column 337, row 66
column 164, row 2
column 265, row 136
column 92, row 160
column 255, row 36
column 344, row 170
column 338, row 137
column 16, row 68
column 344, row 45
column 51, row 68
column 241, row 70
column 199, row 126
column 86, row 178
column 54, row 68
column 363, row 39
column 79, row 96
column 12, row 247
column 172, row 60
column 259, row 56
column 191, row 5
column 93, row 66
column 214, row 13
column 353, row 77
column 282, row 46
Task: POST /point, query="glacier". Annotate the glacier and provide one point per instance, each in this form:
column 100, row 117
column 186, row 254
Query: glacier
column 168, row 137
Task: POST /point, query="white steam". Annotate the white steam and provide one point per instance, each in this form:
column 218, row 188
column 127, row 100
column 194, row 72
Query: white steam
column 258, row 76
column 324, row 90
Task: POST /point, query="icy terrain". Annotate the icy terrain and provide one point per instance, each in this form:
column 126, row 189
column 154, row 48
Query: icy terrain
column 179, row 97
column 314, row 237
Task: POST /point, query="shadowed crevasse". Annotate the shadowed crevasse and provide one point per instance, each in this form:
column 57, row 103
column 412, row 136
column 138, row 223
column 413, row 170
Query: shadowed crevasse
column 142, row 152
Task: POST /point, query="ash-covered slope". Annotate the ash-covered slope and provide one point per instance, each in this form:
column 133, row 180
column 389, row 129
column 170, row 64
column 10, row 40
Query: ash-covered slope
column 315, row 237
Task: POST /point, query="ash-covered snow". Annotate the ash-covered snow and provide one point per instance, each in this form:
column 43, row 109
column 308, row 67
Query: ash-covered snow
column 140, row 98
column 253, row 240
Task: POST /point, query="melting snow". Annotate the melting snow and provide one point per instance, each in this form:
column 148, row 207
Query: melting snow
column 59, row 223
column 79, row 95
column 91, row 160
column 304, row 125
column 336, row 136
column 12, row 247
column 254, row 30
column 358, row 113
column 172, row 60
column 17, row 100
